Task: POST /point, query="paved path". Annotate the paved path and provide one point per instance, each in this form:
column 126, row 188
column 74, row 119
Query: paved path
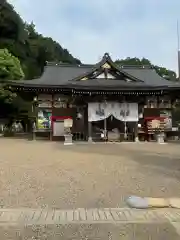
column 89, row 224
column 88, row 216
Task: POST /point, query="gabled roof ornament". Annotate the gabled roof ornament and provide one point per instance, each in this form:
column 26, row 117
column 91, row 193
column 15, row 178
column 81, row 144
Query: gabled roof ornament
column 106, row 55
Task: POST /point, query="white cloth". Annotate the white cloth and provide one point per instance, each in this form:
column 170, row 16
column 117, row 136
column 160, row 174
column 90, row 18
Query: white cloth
column 122, row 111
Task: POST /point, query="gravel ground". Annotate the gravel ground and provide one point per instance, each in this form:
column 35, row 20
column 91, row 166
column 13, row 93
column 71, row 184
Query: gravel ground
column 39, row 174
column 48, row 174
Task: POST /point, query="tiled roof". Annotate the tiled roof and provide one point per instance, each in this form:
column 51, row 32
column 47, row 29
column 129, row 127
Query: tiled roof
column 59, row 75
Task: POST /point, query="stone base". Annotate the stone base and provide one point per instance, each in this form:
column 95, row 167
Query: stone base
column 90, row 139
column 160, row 138
column 68, row 139
column 66, row 143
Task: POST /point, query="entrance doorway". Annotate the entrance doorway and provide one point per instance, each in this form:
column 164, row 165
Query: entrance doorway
column 116, row 130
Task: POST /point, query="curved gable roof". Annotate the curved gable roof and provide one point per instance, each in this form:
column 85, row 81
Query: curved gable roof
column 59, row 75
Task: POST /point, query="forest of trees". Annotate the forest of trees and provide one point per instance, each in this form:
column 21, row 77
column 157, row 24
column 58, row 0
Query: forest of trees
column 162, row 71
column 23, row 55
column 24, row 52
column 30, row 47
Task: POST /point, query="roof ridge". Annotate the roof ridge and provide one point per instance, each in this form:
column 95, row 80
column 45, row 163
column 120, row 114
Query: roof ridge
column 135, row 66
column 123, row 66
column 59, row 64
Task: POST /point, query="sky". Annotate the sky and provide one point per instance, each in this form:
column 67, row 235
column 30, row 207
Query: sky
column 123, row 28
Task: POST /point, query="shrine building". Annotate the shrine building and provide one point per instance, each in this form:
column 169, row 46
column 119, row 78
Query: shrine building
column 106, row 102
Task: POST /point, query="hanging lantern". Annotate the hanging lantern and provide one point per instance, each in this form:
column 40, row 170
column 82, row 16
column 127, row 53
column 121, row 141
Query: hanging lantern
column 79, row 115
column 70, row 105
column 35, row 98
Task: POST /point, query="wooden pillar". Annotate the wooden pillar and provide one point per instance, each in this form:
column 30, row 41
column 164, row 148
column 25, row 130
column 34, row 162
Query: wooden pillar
column 125, row 123
column 33, row 124
column 89, row 127
column 34, row 135
column 89, row 131
column 105, row 120
column 50, row 135
column 136, row 137
column 51, row 128
column 85, row 120
column 105, row 129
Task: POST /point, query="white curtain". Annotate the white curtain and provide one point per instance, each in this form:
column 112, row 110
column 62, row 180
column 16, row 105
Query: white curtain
column 122, row 111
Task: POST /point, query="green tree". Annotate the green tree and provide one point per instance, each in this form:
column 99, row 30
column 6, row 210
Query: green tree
column 10, row 67
column 25, row 43
column 31, row 48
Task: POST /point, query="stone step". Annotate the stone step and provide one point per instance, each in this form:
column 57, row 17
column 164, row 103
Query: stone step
column 81, row 215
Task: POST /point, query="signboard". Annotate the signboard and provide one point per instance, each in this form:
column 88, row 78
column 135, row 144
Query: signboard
column 57, row 104
column 58, row 128
column 45, row 97
column 44, row 119
column 168, row 118
column 44, row 104
column 165, row 113
column 168, row 122
column 155, row 123
column 60, row 98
